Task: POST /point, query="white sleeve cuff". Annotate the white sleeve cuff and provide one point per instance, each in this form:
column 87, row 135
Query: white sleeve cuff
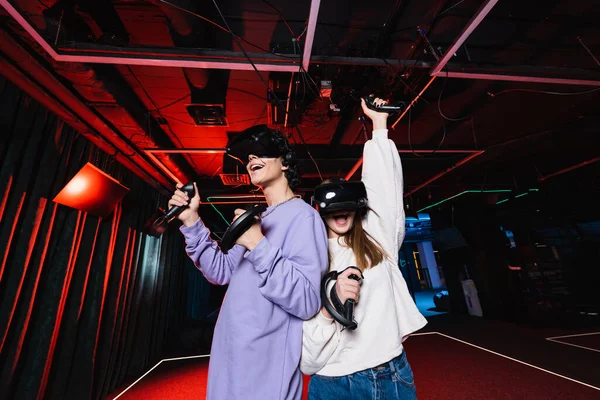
column 380, row 134
column 323, row 320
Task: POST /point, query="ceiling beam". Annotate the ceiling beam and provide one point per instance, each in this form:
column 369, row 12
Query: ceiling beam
column 441, row 174
column 313, row 15
column 221, row 59
column 464, row 35
column 520, row 78
column 571, row 168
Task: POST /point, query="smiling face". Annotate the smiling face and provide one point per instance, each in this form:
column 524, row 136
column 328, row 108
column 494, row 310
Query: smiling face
column 339, row 223
column 264, row 171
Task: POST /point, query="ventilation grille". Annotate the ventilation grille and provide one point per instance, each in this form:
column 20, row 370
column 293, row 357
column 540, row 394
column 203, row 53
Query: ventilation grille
column 207, row 114
column 234, row 179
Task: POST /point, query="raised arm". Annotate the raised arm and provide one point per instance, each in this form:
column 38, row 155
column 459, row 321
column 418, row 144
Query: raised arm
column 383, row 179
column 292, row 280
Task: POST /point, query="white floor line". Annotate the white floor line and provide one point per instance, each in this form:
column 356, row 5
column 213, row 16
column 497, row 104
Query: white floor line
column 520, row 362
column 423, row 334
column 573, row 345
column 186, row 358
column 577, row 335
column 157, row 364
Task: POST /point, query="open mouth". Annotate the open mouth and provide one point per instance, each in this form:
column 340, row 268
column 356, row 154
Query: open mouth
column 256, row 167
column 340, row 218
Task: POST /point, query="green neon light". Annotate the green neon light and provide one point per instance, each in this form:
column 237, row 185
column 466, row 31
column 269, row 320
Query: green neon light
column 521, row 195
column 219, row 212
column 502, row 201
column 465, row 192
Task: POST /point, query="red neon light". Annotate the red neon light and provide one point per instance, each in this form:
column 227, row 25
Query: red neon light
column 31, row 303
column 93, row 191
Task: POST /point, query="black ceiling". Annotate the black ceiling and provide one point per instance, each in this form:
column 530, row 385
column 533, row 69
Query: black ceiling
column 528, row 130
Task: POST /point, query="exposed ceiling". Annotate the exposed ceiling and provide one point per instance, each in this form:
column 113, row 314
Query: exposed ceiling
column 139, row 68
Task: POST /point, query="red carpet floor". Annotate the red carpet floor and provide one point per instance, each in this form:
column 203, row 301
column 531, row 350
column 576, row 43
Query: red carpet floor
column 444, row 369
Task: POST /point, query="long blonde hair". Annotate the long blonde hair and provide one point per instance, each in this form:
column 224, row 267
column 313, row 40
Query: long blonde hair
column 367, row 251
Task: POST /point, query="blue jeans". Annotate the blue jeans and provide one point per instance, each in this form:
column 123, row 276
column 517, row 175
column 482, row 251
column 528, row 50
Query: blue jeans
column 391, row 380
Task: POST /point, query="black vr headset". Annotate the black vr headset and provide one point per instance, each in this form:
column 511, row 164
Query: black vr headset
column 258, row 140
column 340, row 195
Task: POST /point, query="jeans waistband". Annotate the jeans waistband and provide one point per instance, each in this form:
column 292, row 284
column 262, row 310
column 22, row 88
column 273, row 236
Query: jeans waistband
column 394, row 364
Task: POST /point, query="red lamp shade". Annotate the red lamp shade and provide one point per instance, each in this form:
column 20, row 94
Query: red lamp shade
column 93, row 191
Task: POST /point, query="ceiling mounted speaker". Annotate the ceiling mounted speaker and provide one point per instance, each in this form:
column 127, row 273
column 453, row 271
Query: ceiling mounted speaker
column 93, row 191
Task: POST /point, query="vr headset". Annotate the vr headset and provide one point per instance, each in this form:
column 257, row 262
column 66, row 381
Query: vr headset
column 340, row 195
column 258, row 140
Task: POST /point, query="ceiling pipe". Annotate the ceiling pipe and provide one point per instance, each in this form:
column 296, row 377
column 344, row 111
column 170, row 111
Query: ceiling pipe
column 519, row 78
column 413, row 101
column 464, row 35
column 218, row 150
column 571, row 168
column 66, row 99
column 313, row 15
column 187, row 150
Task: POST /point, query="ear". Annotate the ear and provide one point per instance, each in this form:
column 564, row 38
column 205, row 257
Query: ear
column 284, row 164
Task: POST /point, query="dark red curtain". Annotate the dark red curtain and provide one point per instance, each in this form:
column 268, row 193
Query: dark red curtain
column 84, row 301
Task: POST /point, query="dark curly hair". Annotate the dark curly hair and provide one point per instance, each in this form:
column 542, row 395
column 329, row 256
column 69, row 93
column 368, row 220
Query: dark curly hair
column 288, row 155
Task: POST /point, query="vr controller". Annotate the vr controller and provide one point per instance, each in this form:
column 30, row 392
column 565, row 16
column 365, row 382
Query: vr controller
column 342, row 313
column 174, row 211
column 241, row 225
column 387, row 108
column 237, row 228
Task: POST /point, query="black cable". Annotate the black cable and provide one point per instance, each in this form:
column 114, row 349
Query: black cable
column 222, row 28
column 308, row 152
column 409, row 141
column 173, row 102
column 411, row 90
column 281, row 15
column 409, row 138
column 440, row 105
column 158, row 110
column 448, row 9
column 246, row 54
column 473, row 130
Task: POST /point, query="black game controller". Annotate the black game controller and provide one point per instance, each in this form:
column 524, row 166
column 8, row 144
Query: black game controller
column 241, row 225
column 174, row 211
column 342, row 313
column 387, row 108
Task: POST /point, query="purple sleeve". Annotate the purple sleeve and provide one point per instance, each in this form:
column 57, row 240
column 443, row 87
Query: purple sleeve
column 208, row 257
column 292, row 278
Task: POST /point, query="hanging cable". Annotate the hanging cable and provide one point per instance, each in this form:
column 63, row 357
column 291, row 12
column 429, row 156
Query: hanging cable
column 473, row 130
column 308, row 151
column 237, row 40
column 409, row 141
column 222, row 28
column 439, row 105
column 281, row 15
column 233, row 35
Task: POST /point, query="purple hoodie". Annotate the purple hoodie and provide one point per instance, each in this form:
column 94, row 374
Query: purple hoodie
column 258, row 337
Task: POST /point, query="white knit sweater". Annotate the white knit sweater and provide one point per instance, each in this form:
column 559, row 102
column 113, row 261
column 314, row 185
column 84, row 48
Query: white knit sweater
column 386, row 313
